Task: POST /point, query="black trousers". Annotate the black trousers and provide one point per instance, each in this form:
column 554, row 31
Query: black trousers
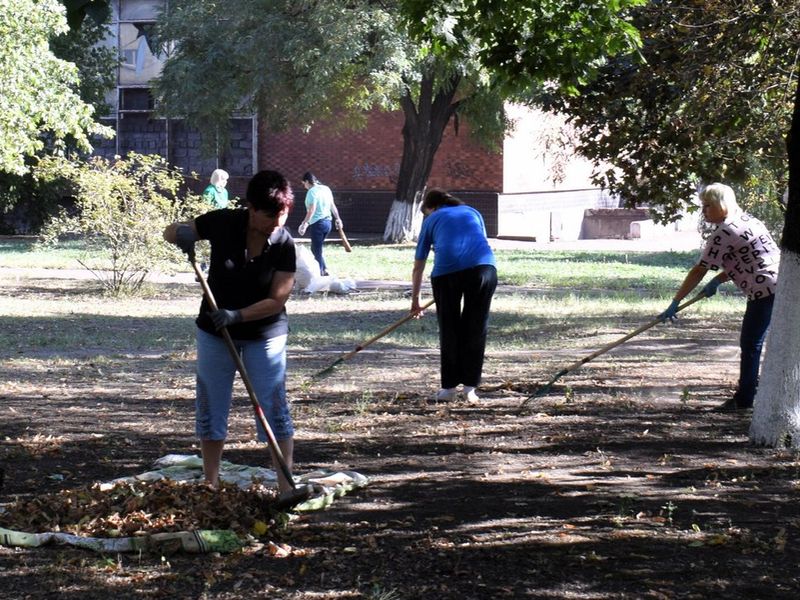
column 463, row 326
column 755, row 323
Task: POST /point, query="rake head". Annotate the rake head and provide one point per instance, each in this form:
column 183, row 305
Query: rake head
column 542, row 390
column 293, row 497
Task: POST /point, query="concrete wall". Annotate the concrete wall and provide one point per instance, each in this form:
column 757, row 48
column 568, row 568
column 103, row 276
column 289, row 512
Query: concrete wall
column 546, row 216
column 631, row 223
column 611, row 223
column 546, row 186
column 535, row 158
column 180, row 144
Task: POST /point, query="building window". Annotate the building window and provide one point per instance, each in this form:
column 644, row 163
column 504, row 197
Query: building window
column 140, row 59
column 132, row 103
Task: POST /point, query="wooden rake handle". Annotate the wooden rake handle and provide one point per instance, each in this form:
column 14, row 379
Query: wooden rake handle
column 345, row 242
column 632, row 334
column 386, row 331
column 546, row 388
column 374, row 338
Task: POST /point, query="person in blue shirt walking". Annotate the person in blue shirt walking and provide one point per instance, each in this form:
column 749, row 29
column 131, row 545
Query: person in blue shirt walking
column 320, row 209
column 463, row 269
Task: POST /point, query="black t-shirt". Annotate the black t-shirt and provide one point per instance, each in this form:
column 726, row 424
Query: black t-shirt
column 237, row 282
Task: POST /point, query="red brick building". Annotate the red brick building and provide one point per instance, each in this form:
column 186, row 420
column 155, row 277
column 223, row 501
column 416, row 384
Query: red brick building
column 361, row 167
column 514, row 189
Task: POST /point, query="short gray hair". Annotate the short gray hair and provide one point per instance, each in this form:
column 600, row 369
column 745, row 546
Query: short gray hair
column 723, row 196
column 219, row 176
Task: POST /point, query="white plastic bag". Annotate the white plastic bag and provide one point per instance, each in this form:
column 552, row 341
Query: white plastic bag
column 342, row 286
column 309, row 281
column 307, row 267
column 318, row 284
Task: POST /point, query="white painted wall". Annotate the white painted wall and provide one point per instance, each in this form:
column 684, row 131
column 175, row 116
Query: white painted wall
column 534, row 161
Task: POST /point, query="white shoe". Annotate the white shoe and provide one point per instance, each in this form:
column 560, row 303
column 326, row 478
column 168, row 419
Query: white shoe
column 470, row 395
column 446, row 395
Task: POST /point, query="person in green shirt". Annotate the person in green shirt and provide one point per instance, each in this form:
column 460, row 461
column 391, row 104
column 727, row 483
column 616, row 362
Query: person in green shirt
column 216, row 194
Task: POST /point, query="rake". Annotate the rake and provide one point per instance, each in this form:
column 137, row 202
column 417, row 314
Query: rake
column 366, row 343
column 546, row 387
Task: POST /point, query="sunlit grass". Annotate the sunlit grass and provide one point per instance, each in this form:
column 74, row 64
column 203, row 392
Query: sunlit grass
column 558, row 300
column 23, row 253
column 648, row 272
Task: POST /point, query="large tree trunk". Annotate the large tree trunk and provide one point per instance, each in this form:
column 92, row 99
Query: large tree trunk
column 776, row 412
column 423, row 129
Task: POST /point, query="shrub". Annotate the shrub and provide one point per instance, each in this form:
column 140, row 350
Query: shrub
column 121, row 209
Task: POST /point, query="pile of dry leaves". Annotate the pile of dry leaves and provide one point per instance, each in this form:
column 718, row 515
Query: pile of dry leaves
column 144, row 507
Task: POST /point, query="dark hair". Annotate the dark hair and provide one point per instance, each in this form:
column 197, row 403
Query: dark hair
column 310, row 177
column 437, row 198
column 270, row 192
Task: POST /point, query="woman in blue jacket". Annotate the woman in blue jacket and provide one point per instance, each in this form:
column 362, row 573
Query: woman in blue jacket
column 463, row 270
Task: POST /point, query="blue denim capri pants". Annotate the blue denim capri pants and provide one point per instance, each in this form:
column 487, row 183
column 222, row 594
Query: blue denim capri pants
column 265, row 361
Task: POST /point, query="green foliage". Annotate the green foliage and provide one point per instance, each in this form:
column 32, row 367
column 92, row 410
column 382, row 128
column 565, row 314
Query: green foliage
column 98, row 11
column 708, row 98
column 27, row 203
column 296, row 62
column 521, row 42
column 39, row 97
column 302, row 62
column 82, row 45
column 761, row 194
column 669, row 510
column 121, row 209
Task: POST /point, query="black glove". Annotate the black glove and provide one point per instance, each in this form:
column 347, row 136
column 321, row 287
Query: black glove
column 185, row 237
column 711, row 287
column 671, row 313
column 224, row 317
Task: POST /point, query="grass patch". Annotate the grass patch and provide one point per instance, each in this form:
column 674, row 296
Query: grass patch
column 90, row 325
column 566, row 300
column 647, row 271
column 650, row 272
column 23, row 253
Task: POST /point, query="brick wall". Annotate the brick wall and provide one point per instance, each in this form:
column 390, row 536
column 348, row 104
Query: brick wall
column 361, row 168
column 369, row 158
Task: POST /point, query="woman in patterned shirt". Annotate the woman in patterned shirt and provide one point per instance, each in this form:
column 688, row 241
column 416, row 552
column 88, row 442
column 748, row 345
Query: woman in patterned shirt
column 743, row 251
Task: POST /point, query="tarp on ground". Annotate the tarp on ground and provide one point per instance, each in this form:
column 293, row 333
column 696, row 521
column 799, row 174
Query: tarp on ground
column 329, row 485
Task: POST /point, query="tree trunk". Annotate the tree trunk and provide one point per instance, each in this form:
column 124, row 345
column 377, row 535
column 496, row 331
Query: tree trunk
column 404, row 221
column 776, row 411
column 423, row 129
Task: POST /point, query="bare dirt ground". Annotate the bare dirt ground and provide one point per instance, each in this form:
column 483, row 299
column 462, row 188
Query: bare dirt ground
column 619, row 483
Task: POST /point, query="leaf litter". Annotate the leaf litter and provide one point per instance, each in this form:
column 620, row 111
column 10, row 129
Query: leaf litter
column 142, row 508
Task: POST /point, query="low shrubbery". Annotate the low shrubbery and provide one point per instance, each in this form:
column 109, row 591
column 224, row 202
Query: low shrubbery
column 120, row 210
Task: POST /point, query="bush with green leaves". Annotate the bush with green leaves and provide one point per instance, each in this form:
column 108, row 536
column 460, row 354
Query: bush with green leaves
column 120, row 210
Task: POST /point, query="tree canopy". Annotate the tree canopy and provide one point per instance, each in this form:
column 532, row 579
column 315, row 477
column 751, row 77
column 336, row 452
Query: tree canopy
column 39, row 101
column 299, row 63
column 708, row 98
column 519, row 40
column 83, row 45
